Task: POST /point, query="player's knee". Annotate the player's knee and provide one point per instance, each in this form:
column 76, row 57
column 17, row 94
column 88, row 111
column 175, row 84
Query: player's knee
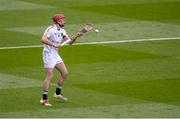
column 65, row 74
column 49, row 75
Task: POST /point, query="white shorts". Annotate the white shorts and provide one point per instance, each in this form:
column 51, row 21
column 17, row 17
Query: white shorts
column 51, row 59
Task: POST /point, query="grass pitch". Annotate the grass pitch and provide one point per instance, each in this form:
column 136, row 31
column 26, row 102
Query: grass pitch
column 133, row 79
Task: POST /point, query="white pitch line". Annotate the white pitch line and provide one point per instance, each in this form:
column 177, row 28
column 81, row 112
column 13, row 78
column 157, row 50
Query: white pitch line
column 19, row 47
column 128, row 41
column 103, row 42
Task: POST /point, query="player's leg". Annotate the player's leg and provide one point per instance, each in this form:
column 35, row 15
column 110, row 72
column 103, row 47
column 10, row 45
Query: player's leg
column 46, row 84
column 61, row 67
column 47, row 80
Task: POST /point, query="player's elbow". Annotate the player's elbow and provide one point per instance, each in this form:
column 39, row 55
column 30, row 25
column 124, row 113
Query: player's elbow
column 72, row 41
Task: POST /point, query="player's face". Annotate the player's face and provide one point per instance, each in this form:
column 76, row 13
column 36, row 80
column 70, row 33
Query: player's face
column 61, row 22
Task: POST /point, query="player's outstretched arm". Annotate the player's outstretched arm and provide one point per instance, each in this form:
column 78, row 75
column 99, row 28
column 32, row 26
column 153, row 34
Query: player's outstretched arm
column 73, row 39
column 85, row 29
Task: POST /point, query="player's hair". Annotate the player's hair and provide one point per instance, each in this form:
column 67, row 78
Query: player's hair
column 58, row 17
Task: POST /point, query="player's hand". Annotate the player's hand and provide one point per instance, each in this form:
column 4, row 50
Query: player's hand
column 57, row 45
column 79, row 34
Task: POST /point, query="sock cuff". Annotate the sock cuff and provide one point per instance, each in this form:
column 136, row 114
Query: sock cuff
column 59, row 86
column 45, row 92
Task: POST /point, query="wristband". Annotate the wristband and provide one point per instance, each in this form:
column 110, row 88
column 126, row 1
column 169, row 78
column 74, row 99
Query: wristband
column 54, row 45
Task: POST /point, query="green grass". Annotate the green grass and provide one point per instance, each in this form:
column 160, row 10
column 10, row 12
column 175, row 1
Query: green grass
column 164, row 12
column 141, row 90
column 133, row 79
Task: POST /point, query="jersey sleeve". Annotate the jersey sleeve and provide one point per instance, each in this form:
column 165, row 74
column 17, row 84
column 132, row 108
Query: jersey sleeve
column 48, row 32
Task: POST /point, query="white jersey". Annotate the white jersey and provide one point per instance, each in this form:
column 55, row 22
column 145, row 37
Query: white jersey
column 50, row 53
column 55, row 35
